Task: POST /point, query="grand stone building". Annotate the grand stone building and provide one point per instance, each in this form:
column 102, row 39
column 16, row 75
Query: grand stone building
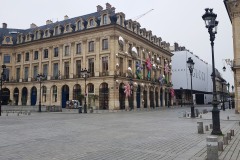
column 117, row 52
column 233, row 9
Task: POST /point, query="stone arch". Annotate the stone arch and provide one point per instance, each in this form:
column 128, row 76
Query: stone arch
column 24, row 96
column 33, row 96
column 104, row 96
column 16, row 96
column 65, row 95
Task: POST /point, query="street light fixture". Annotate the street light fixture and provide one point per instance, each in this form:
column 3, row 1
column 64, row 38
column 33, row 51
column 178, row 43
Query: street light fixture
column 211, row 24
column 223, row 104
column 85, row 74
column 2, row 79
column 40, row 79
column 228, row 85
column 191, row 67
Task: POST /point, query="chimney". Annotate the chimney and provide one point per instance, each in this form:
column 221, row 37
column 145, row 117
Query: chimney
column 48, row 22
column 99, row 8
column 108, row 6
column 4, row 25
column 65, row 17
column 33, row 25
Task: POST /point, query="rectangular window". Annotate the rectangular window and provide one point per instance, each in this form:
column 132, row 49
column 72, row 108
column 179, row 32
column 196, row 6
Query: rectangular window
column 91, row 66
column 104, row 44
column 6, row 58
column 104, row 64
column 78, row 48
column 19, row 57
column 45, row 70
column 56, row 52
column 27, row 56
column 45, row 53
column 55, row 70
column 105, row 19
column 66, row 70
column 17, row 74
column 5, row 77
column 26, row 73
column 66, row 50
column 78, row 68
column 35, row 55
column 35, row 72
column 91, row 46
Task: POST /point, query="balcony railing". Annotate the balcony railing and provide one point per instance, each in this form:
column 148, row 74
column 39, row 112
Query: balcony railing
column 101, row 74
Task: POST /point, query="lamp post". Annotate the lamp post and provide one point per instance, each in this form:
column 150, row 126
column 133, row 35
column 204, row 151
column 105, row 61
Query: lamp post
column 85, row 73
column 223, row 105
column 191, row 67
column 40, row 78
column 211, row 24
column 2, row 79
column 228, row 85
column 181, row 90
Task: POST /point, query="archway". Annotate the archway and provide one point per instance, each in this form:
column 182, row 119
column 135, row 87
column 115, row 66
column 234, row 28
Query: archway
column 5, row 96
column 145, row 98
column 138, row 96
column 121, row 96
column 77, row 93
column 65, row 95
column 104, row 96
column 16, row 96
column 24, row 96
column 161, row 97
column 151, row 97
column 156, row 97
column 33, row 96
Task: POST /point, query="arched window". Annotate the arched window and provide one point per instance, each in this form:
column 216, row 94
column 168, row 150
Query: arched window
column 36, row 35
column 67, row 28
column 44, row 94
column 46, row 33
column 56, row 30
column 91, row 23
column 121, row 20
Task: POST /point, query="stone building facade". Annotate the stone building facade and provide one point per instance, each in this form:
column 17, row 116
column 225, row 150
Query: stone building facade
column 117, row 52
column 233, row 9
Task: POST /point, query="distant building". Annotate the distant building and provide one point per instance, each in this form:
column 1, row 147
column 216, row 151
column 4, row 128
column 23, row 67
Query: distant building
column 114, row 50
column 201, row 78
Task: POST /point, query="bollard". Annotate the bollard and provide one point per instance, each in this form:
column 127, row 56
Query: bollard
column 232, row 132
column 229, row 136
column 200, row 127
column 225, row 140
column 210, row 126
column 220, row 146
column 212, row 148
column 206, row 128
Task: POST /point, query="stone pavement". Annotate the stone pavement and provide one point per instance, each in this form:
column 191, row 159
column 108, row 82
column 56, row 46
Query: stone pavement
column 143, row 135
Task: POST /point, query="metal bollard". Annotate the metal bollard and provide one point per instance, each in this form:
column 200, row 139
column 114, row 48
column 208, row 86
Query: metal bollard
column 225, row 140
column 220, row 146
column 212, row 148
column 200, row 127
column 229, row 136
column 210, row 126
column 232, row 132
column 206, row 128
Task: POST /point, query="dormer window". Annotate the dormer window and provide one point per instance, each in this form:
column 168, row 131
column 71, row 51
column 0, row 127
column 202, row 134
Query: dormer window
column 46, row 33
column 104, row 19
column 91, row 23
column 121, row 20
column 79, row 25
column 67, row 28
column 36, row 35
column 56, row 30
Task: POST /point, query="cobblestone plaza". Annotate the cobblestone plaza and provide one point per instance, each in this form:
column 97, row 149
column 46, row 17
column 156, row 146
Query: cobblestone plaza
column 159, row 134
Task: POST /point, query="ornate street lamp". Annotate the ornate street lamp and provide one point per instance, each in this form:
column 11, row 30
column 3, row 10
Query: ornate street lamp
column 1, row 83
column 223, row 104
column 85, row 74
column 211, row 24
column 40, row 79
column 228, row 85
column 191, row 67
column 181, row 92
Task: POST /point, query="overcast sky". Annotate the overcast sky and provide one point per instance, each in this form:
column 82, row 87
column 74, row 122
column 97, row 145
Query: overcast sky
column 172, row 20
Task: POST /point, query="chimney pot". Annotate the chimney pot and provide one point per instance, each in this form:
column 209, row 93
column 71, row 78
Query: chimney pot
column 108, row 6
column 99, row 8
column 33, row 25
column 4, row 25
column 65, row 17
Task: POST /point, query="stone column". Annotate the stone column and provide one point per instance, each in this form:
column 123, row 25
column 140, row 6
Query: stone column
column 134, row 97
column 163, row 97
column 154, row 100
column 51, row 54
column 148, row 98
column 84, row 51
column 98, row 59
column 71, row 65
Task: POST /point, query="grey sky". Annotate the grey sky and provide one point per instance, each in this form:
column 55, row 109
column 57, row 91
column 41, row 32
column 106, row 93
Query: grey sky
column 172, row 20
